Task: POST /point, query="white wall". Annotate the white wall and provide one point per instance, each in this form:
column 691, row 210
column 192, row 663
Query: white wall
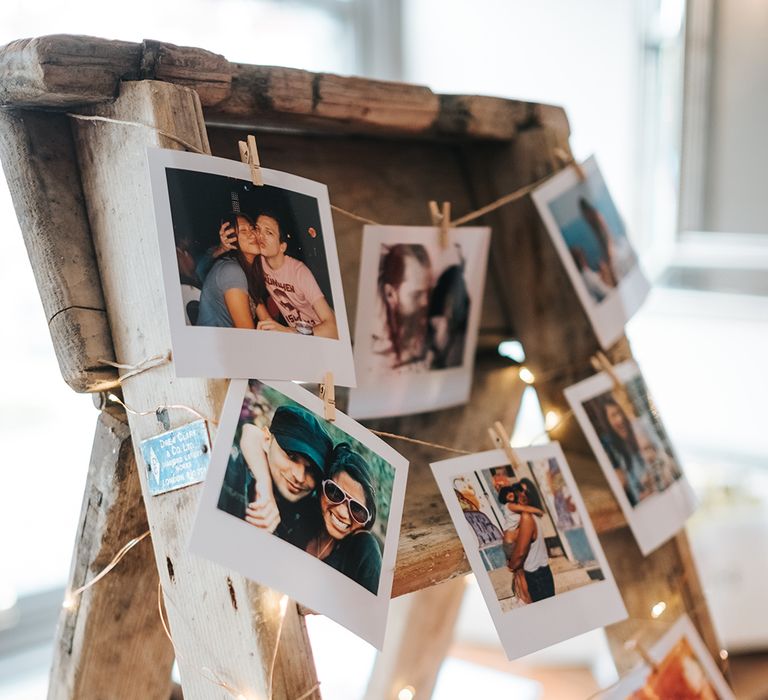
column 737, row 199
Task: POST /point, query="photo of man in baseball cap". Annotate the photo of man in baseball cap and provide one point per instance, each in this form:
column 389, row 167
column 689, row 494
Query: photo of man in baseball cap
column 274, row 472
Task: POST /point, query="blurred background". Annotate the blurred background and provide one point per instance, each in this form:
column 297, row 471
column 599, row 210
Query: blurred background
column 672, row 97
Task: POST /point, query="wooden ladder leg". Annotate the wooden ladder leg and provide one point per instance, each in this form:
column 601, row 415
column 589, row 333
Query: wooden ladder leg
column 225, row 629
column 419, row 634
column 110, row 643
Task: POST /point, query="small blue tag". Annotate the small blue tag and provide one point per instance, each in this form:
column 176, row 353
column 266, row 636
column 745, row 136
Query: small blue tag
column 177, row 458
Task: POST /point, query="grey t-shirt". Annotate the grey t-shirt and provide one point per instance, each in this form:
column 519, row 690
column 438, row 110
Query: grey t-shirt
column 225, row 274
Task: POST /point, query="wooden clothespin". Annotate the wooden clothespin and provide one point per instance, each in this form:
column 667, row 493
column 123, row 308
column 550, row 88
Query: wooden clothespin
column 441, row 218
column 249, row 154
column 566, row 159
column 328, row 395
column 500, row 439
column 601, row 363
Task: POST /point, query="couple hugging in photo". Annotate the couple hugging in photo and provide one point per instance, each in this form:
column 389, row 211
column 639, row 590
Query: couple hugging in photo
column 250, row 282
column 291, row 480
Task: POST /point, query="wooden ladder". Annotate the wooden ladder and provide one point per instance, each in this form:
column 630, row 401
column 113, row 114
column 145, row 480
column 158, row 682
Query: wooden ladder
column 81, row 193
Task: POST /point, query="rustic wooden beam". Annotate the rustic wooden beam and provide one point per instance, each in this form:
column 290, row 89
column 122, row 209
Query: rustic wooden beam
column 420, row 631
column 209, row 74
column 110, row 643
column 40, row 166
column 61, row 71
column 219, row 621
column 559, row 341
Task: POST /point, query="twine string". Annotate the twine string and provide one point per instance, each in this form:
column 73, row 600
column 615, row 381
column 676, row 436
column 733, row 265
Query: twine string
column 471, row 216
column 123, row 122
column 139, row 367
column 162, row 407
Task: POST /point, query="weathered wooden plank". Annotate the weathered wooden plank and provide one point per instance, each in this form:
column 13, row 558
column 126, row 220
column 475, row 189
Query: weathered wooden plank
column 41, row 169
column 209, row 74
column 557, row 336
column 111, row 644
column 419, row 634
column 63, row 70
column 219, row 621
column 484, row 117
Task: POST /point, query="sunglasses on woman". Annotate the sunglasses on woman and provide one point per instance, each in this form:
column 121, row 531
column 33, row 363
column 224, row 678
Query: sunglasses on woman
column 337, row 495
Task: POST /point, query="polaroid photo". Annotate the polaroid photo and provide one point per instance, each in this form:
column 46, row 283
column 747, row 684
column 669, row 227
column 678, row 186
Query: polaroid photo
column 531, row 546
column 630, row 443
column 684, row 669
column 592, row 242
column 251, row 273
column 418, row 315
column 302, row 505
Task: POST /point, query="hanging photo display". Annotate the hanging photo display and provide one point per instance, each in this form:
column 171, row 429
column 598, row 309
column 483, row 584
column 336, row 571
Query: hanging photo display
column 531, row 546
column 628, row 438
column 305, row 506
column 684, row 670
column 418, row 314
column 251, row 273
column 590, row 238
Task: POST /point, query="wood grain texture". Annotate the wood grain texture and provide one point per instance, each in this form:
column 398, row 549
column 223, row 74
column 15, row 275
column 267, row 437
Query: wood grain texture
column 40, row 166
column 420, row 630
column 111, row 644
column 209, row 74
column 61, row 71
column 219, row 621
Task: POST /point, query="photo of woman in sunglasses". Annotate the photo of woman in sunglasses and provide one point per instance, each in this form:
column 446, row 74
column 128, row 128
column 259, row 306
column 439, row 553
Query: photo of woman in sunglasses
column 308, row 482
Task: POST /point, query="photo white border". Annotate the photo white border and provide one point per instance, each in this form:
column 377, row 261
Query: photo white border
column 200, row 351
column 543, row 623
column 683, row 627
column 271, row 561
column 657, row 518
column 404, row 393
column 609, row 316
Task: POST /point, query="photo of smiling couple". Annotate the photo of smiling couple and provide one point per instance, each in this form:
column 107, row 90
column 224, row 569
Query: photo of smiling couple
column 306, row 481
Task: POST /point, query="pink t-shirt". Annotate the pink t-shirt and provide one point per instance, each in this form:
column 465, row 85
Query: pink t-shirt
column 294, row 289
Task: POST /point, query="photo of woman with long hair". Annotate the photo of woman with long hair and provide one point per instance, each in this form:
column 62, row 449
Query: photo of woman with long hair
column 348, row 512
column 631, row 445
column 233, row 293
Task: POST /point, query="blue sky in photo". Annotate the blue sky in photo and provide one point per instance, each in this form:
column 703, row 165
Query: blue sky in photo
column 574, row 228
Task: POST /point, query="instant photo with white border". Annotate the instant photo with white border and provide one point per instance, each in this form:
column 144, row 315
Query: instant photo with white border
column 269, row 560
column 661, row 515
column 682, row 628
column 204, row 351
column 414, row 388
column 540, row 624
column 609, row 315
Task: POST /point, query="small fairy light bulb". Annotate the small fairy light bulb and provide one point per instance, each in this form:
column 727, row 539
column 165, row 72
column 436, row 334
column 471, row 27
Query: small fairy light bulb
column 69, row 602
column 113, row 397
column 724, row 654
column 283, row 605
column 526, row 375
column 551, row 420
column 658, row 610
column 407, row 693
